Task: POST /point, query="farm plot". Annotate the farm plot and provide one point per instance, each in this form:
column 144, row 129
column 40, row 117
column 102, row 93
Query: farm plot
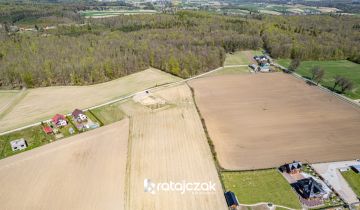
column 86, row 171
column 169, row 145
column 42, row 103
column 5, row 97
column 241, row 57
column 264, row 120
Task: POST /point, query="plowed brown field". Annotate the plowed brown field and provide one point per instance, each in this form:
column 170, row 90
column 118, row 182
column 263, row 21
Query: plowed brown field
column 264, row 120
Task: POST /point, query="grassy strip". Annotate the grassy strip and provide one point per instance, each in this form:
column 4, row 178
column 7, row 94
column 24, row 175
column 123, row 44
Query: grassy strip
column 108, row 114
column 343, row 68
column 91, row 115
column 353, row 179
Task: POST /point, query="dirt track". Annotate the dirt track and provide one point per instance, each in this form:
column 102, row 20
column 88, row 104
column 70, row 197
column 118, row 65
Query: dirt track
column 169, row 144
column 84, row 172
column 264, row 120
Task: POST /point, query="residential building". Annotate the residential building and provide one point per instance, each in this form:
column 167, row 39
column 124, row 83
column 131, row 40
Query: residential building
column 291, row 168
column 308, row 188
column 59, row 120
column 79, row 115
column 18, row 144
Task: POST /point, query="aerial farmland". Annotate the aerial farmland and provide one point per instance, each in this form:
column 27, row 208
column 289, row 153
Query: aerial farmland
column 159, row 138
column 41, row 103
column 69, row 174
column 275, row 118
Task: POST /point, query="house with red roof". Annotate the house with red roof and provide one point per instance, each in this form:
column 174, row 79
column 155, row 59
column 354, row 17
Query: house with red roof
column 59, row 120
column 47, row 129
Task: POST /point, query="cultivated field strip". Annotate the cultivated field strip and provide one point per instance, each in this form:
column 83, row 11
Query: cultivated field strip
column 264, row 120
column 40, row 104
column 170, row 145
column 83, row 172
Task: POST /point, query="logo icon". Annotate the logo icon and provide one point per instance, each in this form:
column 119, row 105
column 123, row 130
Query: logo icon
column 149, row 186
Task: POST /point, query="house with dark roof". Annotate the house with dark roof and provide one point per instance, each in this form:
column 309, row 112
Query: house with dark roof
column 59, row 120
column 231, row 199
column 356, row 168
column 79, row 115
column 291, row 168
column 308, row 188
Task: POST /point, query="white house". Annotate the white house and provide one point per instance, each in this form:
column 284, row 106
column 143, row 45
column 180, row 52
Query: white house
column 18, row 144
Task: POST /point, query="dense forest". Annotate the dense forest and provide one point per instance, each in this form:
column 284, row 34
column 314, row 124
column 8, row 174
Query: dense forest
column 183, row 44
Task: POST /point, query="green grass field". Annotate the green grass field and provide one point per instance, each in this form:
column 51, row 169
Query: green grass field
column 241, row 57
column 231, row 70
column 108, row 114
column 253, row 187
column 343, row 68
column 354, row 180
column 34, row 136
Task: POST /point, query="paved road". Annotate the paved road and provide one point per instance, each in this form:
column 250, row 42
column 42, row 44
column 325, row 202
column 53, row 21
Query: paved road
column 330, row 172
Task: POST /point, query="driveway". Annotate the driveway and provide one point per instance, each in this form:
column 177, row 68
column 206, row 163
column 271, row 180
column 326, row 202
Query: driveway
column 330, row 172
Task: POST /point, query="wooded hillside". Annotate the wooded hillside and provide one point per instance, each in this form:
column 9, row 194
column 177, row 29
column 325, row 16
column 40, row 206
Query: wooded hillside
column 184, row 44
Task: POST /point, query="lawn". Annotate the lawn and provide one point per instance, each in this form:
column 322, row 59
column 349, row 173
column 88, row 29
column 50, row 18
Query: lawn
column 93, row 118
column 241, row 57
column 343, row 68
column 253, row 187
column 231, row 70
column 108, row 114
column 354, row 180
column 34, row 137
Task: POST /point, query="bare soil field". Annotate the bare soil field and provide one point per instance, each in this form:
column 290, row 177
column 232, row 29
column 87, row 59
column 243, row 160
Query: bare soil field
column 169, row 144
column 86, row 171
column 6, row 99
column 264, row 120
column 42, row 103
column 5, row 96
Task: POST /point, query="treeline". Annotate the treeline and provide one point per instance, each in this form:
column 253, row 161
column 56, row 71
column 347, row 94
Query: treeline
column 11, row 13
column 183, row 45
column 322, row 37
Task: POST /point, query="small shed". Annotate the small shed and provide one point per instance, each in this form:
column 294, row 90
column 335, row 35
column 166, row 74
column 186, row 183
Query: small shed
column 231, row 199
column 47, row 129
column 356, row 168
column 18, row 144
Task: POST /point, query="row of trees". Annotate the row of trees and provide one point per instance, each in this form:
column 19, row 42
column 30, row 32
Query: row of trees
column 318, row 73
